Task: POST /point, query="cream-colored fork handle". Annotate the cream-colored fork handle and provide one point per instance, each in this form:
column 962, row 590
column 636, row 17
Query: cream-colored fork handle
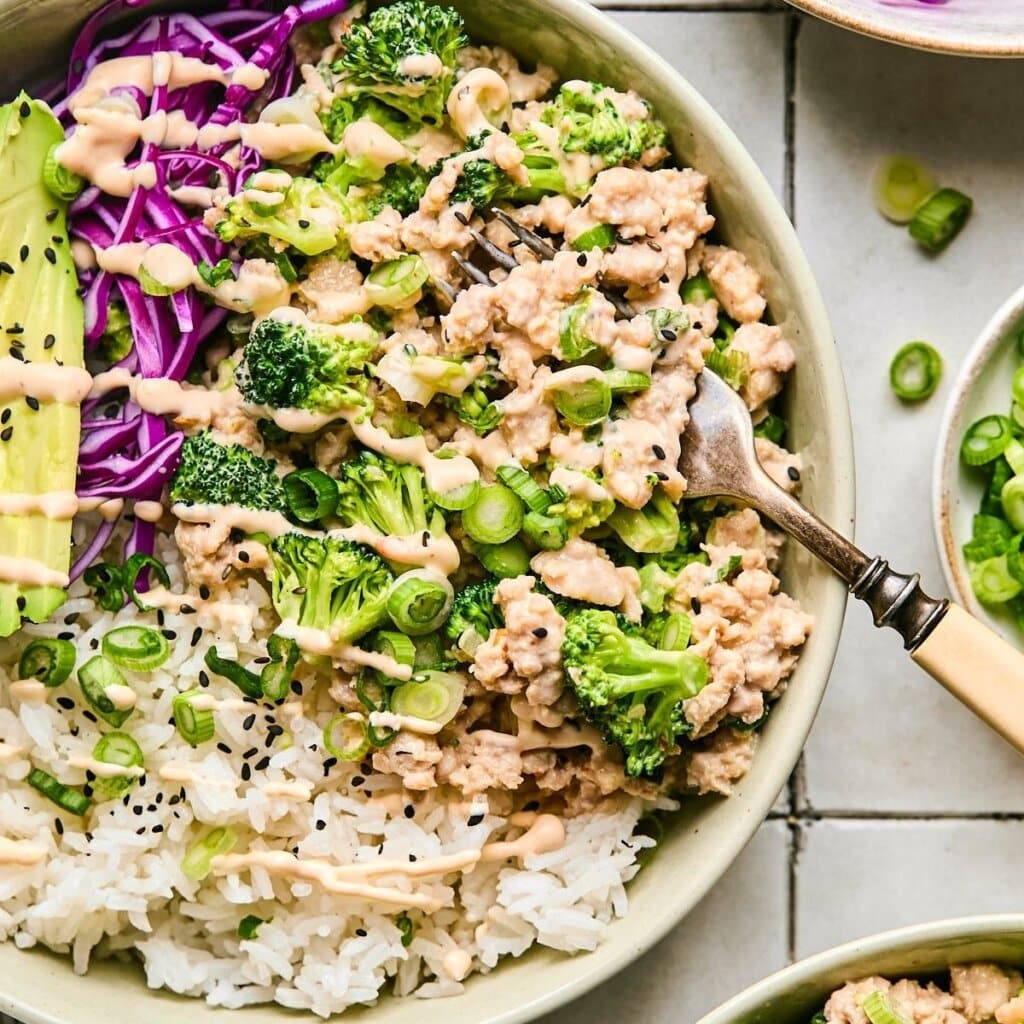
column 980, row 669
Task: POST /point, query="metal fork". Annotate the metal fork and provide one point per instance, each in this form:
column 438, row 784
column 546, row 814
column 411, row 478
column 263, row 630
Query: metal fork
column 719, row 460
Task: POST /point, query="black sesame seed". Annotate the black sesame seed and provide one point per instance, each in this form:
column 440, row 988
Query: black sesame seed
column 246, row 772
column 87, row 790
column 243, row 557
column 357, row 780
column 50, row 255
column 793, row 473
column 330, row 762
column 695, row 605
column 540, row 632
column 204, row 679
column 71, row 618
column 412, row 858
column 24, row 109
column 251, row 752
column 361, row 932
column 81, row 291
column 51, row 215
column 654, row 246
column 23, row 252
column 159, row 798
column 248, row 722
column 187, row 609
column 66, row 703
column 16, row 353
column 263, row 764
column 204, row 592
column 261, row 660
column 57, row 239
column 89, row 715
column 169, row 634
column 151, row 808
column 320, row 825
column 158, row 828
column 296, row 688
column 474, row 819
column 141, row 831
column 160, row 617
column 137, row 810
column 224, row 748
column 21, row 602
column 94, row 643
column 5, row 267
column 173, row 800
column 410, row 811
column 425, row 539
column 197, row 635
column 59, row 826
column 461, row 217
column 661, row 476
column 582, row 259
column 5, row 415
column 668, row 335
column 303, row 223
column 65, row 635
column 275, row 730
column 659, row 452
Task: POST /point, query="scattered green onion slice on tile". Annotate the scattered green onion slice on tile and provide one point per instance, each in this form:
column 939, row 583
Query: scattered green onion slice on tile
column 136, row 648
column 48, row 660
column 196, row 725
column 419, row 601
column 524, row 487
column 65, row 797
column 505, row 560
column 915, row 371
column 345, row 737
column 198, row 860
column 495, row 517
column 600, row 236
column 986, row 440
column 940, row 218
column 433, row 696
column 95, row 677
column 901, row 184
column 311, row 494
column 117, row 748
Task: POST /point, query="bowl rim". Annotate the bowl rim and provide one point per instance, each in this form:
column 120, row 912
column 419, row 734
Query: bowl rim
column 947, row 453
column 763, row 784
column 897, row 940
column 864, row 25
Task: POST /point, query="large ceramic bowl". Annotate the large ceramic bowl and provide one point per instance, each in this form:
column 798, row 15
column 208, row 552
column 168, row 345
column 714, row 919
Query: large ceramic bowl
column 982, row 387
column 795, row 994
column 979, row 28
column 706, row 837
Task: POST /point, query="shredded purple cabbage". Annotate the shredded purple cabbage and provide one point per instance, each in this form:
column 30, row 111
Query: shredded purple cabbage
column 125, row 452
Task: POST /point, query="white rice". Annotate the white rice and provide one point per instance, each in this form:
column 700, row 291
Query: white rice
column 120, row 886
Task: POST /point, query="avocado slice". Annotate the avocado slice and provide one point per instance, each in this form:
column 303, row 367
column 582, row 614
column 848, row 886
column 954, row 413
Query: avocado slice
column 41, row 316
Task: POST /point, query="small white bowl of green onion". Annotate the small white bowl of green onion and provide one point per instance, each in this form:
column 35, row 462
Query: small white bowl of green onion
column 978, row 482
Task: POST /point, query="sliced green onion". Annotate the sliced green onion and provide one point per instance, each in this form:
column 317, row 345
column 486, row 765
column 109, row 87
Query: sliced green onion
column 915, row 371
column 675, row 634
column 432, row 696
column 377, row 740
column 429, row 651
column 458, row 498
column 724, row 333
column 404, row 924
column 655, row 586
column 574, row 342
column 940, row 218
column 601, row 236
column 121, row 749
column 901, row 184
column 311, row 495
column 1012, row 499
column 396, row 646
column 730, row 569
column 623, row 382
column 249, row 926
column 548, row 532
column 152, row 285
column 419, row 601
column 397, row 282
column 524, row 487
column 134, row 567
column 1014, row 455
column 107, row 581
column 986, row 440
column 991, row 581
column 277, row 674
column 196, row 725
column 198, row 860
column 732, row 366
column 49, row 661
column 136, row 648
column 214, row 274
column 65, row 797
column 879, row 1010
column 345, row 737
column 772, row 427
column 371, row 693
column 1015, row 558
column 94, row 678
column 697, row 289
column 495, row 517
column 506, row 560
column 59, row 180
column 248, row 682
column 583, row 402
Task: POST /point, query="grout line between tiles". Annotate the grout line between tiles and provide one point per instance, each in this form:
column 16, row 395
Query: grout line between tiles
column 810, row 816
column 793, row 23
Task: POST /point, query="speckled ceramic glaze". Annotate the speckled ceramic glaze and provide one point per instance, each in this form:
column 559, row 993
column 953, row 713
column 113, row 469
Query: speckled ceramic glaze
column 706, row 836
column 794, row 995
column 980, row 28
column 982, row 387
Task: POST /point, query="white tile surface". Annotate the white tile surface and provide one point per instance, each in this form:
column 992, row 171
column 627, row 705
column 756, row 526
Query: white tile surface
column 737, row 935
column 860, row 877
column 888, row 738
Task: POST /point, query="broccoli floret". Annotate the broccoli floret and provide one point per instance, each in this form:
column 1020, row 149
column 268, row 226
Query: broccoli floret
column 346, row 110
column 117, row 340
column 380, row 58
column 474, row 609
column 475, row 407
column 579, row 512
column 225, row 474
column 309, row 217
column 329, row 584
column 483, row 183
column 389, row 496
column 630, row 690
column 296, row 364
column 589, row 122
column 651, row 529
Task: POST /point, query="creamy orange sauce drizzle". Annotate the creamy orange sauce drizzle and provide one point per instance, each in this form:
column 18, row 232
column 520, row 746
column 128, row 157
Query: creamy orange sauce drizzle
column 31, row 691
column 185, row 773
column 318, row 641
column 390, row 720
column 228, row 612
column 103, row 769
column 48, row 382
column 58, row 505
